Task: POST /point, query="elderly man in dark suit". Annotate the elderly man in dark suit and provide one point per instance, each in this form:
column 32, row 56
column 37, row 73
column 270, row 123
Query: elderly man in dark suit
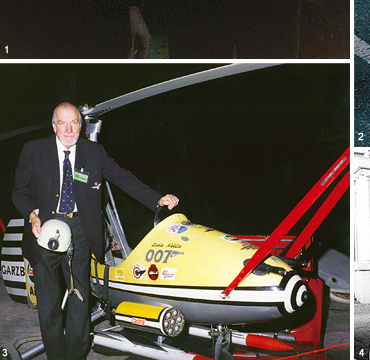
column 43, row 167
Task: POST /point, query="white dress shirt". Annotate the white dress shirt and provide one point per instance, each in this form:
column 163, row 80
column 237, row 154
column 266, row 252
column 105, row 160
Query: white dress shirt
column 61, row 156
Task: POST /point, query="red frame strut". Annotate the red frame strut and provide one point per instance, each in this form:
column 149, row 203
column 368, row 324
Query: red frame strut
column 320, row 215
column 300, row 209
column 2, row 226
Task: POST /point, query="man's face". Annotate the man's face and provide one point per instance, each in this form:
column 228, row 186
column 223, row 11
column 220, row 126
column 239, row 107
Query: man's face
column 67, row 125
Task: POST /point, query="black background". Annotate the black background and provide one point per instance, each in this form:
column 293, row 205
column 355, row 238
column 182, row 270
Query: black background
column 240, row 152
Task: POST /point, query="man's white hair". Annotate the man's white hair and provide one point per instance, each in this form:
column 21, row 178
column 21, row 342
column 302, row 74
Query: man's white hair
column 65, row 105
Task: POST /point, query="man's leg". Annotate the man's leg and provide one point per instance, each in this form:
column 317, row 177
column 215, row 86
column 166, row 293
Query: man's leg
column 49, row 298
column 78, row 312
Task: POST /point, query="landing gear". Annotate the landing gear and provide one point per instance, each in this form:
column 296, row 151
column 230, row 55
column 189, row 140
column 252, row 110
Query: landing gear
column 222, row 337
column 224, row 355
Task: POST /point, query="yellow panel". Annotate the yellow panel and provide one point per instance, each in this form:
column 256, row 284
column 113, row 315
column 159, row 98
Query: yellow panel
column 139, row 310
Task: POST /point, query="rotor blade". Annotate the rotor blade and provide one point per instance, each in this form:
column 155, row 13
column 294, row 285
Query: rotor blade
column 291, row 219
column 24, row 130
column 170, row 85
column 160, row 88
column 320, row 215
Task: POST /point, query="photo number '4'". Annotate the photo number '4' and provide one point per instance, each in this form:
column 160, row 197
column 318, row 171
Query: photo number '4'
column 362, row 352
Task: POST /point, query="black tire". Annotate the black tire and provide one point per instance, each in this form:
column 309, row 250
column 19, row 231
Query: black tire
column 225, row 355
column 9, row 352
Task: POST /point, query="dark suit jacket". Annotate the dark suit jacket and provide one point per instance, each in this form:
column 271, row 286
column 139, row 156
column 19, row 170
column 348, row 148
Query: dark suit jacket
column 37, row 187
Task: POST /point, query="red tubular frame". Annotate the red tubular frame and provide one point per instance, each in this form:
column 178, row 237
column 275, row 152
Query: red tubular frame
column 320, row 215
column 300, row 209
column 2, row 226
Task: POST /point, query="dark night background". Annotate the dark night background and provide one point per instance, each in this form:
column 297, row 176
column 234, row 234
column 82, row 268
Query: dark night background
column 322, row 29
column 240, row 152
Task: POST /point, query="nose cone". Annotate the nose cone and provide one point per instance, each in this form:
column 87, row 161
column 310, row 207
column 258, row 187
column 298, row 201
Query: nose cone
column 295, row 292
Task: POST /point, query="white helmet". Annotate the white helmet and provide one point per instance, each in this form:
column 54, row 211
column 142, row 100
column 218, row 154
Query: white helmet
column 55, row 235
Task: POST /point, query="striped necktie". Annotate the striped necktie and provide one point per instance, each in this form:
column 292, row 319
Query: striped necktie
column 67, row 198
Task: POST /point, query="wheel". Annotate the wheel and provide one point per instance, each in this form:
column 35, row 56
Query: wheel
column 225, row 355
column 9, row 352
